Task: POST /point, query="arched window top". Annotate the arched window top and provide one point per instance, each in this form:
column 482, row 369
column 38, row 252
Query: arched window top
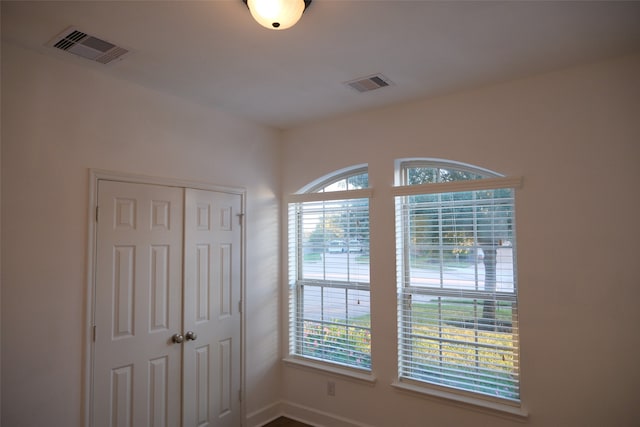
column 433, row 171
column 351, row 178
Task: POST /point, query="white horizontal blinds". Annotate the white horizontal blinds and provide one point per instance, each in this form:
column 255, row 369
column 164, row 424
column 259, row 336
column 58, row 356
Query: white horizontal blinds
column 329, row 267
column 457, row 291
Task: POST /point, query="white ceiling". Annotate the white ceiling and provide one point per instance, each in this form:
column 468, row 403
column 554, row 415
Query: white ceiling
column 213, row 53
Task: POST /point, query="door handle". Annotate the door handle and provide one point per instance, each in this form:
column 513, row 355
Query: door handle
column 177, row 338
column 191, row 336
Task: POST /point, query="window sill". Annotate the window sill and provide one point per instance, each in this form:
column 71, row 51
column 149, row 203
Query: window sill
column 504, row 410
column 345, row 372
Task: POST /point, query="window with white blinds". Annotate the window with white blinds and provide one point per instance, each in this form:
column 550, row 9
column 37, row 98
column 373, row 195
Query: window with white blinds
column 328, row 232
column 457, row 290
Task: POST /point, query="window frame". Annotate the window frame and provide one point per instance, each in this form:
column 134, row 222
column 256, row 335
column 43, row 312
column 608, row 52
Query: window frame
column 491, row 180
column 317, row 185
column 313, row 192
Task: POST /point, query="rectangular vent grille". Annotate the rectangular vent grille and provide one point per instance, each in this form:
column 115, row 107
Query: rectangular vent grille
column 86, row 46
column 366, row 84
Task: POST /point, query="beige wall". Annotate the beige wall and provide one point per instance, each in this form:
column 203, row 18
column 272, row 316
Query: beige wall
column 58, row 120
column 574, row 136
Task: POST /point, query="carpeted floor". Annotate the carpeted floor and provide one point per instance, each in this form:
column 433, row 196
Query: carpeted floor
column 286, row 422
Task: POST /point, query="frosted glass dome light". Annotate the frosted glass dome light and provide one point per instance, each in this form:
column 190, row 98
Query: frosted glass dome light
column 277, row 14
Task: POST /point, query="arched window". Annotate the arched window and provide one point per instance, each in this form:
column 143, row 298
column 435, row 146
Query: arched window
column 457, row 288
column 328, row 242
column 353, row 178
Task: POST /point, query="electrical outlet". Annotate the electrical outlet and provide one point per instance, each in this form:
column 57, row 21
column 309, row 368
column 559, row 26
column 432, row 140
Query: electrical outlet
column 331, row 388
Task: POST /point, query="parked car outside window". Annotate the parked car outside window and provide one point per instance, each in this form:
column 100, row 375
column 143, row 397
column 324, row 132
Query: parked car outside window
column 336, row 246
column 354, row 246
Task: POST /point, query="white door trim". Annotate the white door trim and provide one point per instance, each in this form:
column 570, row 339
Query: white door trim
column 96, row 175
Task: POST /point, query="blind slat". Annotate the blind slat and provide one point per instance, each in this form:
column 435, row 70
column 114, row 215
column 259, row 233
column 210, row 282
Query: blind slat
column 457, row 293
column 329, row 278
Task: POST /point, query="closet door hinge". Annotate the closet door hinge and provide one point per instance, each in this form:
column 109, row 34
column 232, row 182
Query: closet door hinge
column 94, row 333
column 240, row 218
column 240, row 306
column 97, row 213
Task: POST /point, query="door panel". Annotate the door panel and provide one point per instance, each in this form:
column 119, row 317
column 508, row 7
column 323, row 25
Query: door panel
column 211, row 309
column 137, row 368
column 143, row 297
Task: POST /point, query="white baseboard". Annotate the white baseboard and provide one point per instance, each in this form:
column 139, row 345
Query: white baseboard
column 300, row 413
column 264, row 415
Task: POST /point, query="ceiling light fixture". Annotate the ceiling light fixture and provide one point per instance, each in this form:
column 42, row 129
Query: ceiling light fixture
column 277, row 14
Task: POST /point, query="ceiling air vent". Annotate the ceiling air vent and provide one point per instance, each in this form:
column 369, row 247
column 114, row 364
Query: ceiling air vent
column 90, row 47
column 366, row 84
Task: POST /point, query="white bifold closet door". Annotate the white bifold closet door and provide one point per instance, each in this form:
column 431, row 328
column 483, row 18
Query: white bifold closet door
column 167, row 307
column 212, row 309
